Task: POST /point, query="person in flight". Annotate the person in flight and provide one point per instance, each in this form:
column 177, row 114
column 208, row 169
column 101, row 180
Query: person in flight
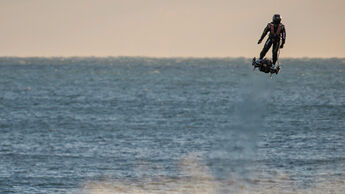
column 277, row 34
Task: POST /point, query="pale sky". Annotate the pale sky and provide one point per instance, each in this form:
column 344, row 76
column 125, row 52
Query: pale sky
column 168, row 28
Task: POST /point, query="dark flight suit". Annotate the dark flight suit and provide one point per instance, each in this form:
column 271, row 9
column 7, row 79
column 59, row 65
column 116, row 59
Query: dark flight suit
column 277, row 32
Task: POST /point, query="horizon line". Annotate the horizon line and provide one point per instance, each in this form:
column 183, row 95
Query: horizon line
column 160, row 57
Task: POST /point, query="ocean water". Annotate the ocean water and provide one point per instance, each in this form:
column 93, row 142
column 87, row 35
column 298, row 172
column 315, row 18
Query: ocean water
column 171, row 125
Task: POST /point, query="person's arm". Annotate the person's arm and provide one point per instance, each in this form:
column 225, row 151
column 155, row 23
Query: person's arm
column 283, row 36
column 266, row 30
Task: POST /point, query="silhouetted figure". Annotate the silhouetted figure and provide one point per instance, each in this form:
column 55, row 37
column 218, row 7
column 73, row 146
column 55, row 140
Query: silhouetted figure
column 277, row 33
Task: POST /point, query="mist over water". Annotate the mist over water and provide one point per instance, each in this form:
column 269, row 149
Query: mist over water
column 142, row 125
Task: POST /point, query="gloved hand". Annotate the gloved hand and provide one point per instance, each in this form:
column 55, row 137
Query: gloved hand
column 259, row 41
column 282, row 46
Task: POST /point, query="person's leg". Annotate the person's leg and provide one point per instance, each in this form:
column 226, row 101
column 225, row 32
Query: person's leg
column 267, row 46
column 275, row 50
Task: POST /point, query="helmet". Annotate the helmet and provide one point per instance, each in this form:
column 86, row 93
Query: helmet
column 276, row 19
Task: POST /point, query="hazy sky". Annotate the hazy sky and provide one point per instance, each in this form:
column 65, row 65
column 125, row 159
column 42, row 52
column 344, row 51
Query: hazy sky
column 165, row 28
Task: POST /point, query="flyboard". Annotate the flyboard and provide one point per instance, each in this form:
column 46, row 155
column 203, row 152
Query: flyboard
column 265, row 66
